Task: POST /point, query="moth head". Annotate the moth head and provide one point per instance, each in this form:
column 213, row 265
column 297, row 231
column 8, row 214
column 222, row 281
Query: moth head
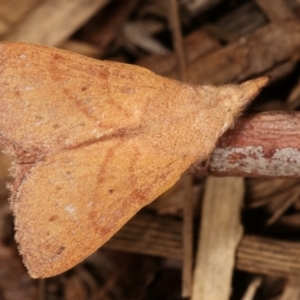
column 228, row 102
column 234, row 99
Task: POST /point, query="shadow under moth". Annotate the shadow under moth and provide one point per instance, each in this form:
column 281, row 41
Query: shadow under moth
column 95, row 141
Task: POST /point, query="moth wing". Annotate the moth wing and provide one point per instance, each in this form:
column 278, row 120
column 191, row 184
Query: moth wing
column 94, row 142
column 53, row 99
column 72, row 202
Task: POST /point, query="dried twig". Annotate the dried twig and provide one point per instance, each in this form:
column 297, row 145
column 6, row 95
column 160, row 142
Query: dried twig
column 266, row 144
column 177, row 38
column 252, row 288
column 285, row 205
column 187, row 240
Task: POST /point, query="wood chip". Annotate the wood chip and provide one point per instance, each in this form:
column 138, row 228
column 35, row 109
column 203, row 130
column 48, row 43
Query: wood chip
column 247, row 57
column 220, row 234
column 197, row 44
column 269, row 257
column 56, row 20
column 153, row 235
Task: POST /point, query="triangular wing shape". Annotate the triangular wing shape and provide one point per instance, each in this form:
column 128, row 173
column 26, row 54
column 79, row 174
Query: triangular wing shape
column 94, row 142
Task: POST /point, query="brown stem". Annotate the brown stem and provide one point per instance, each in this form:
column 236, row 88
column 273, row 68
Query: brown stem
column 261, row 145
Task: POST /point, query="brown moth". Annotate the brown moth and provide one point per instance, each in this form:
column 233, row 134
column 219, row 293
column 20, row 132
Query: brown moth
column 94, row 141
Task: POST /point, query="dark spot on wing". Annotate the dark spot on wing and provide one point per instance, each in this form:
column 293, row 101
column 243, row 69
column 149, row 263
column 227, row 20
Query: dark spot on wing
column 60, row 250
column 57, row 56
column 53, row 218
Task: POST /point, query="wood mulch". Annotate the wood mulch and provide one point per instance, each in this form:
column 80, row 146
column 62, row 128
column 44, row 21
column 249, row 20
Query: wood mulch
column 207, row 237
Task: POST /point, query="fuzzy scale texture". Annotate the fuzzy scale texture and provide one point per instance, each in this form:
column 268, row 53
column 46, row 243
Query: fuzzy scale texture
column 94, row 141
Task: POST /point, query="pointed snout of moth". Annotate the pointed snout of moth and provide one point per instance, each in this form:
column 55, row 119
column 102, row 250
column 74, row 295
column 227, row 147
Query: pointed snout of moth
column 94, row 142
column 245, row 93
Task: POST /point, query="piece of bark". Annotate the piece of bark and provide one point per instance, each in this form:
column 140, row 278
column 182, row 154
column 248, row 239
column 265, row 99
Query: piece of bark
column 268, row 256
column 197, row 44
column 265, row 144
column 247, row 57
column 220, row 234
column 231, row 27
column 275, row 10
column 161, row 236
column 56, row 20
